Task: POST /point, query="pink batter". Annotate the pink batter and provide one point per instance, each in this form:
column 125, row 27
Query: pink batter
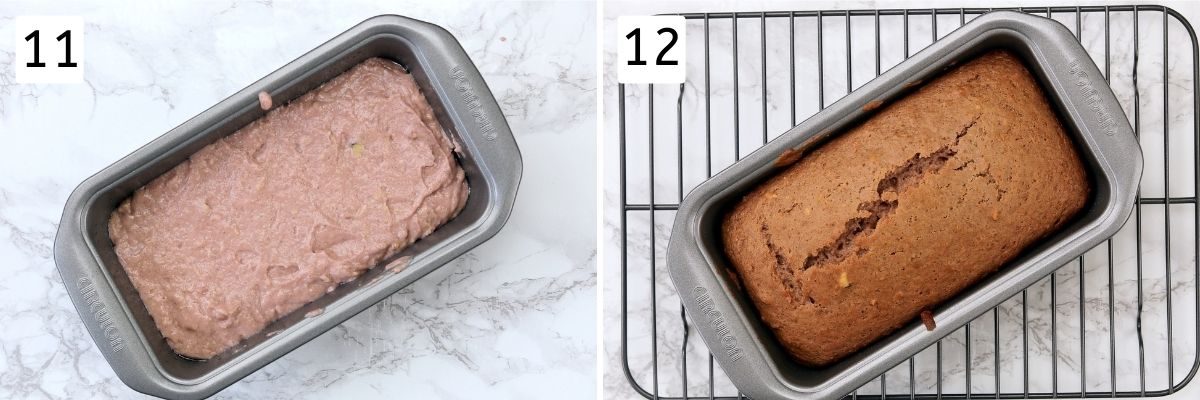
column 277, row 214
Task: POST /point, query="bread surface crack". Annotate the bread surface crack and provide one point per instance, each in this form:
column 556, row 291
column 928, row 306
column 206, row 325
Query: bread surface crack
column 991, row 181
column 783, row 269
column 897, row 180
column 855, row 227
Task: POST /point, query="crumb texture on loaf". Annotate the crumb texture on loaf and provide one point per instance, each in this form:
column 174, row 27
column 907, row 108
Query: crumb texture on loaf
column 906, row 209
column 263, row 221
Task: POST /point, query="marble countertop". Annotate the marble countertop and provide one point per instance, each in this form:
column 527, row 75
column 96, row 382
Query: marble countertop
column 514, row 318
column 655, row 326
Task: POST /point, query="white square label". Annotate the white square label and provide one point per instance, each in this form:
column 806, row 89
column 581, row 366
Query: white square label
column 651, row 49
column 49, row 49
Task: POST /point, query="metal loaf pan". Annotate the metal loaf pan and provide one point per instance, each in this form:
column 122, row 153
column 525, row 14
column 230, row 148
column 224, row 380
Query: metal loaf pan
column 110, row 307
column 726, row 319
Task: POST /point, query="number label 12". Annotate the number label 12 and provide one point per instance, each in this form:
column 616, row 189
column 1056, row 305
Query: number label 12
column 651, row 49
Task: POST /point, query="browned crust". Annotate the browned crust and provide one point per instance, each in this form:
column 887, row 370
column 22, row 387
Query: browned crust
column 934, row 192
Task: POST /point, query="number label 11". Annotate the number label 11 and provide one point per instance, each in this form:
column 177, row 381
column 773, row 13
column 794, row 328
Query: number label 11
column 49, row 49
column 651, row 49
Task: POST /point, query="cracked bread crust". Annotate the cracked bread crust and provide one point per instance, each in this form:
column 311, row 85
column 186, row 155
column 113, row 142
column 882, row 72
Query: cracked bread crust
column 903, row 211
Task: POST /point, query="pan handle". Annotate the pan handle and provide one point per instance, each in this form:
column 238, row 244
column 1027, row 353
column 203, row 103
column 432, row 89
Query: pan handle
column 474, row 110
column 719, row 321
column 1089, row 99
column 99, row 305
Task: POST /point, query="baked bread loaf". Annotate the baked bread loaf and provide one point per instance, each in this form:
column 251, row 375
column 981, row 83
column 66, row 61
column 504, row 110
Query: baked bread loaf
column 905, row 210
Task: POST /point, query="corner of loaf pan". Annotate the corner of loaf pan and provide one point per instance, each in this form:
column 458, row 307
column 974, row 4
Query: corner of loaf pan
column 461, row 103
column 716, row 297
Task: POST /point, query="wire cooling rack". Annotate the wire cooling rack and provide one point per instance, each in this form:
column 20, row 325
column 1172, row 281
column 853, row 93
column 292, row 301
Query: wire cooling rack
column 1120, row 321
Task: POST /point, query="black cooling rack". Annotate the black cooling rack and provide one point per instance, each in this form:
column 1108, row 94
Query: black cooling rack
column 1072, row 291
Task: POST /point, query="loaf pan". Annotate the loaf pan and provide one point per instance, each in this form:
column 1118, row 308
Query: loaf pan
column 726, row 319
column 109, row 305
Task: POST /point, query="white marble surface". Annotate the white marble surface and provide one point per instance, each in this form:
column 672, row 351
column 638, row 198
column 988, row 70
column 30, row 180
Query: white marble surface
column 1046, row 344
column 514, row 318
